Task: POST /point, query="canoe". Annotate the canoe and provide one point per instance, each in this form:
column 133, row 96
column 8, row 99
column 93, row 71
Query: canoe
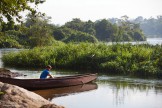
column 64, row 91
column 64, row 81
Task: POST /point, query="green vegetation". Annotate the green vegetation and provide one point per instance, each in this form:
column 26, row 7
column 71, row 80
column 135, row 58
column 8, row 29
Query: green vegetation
column 8, row 42
column 67, row 35
column 1, row 93
column 36, row 31
column 106, row 31
column 121, row 59
column 10, row 9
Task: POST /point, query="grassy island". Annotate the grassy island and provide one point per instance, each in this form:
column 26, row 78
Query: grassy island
column 141, row 60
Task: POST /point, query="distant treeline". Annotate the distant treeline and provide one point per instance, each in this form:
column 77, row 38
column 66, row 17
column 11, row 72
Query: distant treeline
column 37, row 31
column 152, row 27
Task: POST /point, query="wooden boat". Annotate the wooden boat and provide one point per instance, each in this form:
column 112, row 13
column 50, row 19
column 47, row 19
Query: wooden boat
column 64, row 91
column 56, row 82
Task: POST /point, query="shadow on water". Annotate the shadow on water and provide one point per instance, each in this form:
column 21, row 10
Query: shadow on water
column 64, row 91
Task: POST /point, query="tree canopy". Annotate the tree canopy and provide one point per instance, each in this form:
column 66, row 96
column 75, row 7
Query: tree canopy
column 105, row 30
column 10, row 9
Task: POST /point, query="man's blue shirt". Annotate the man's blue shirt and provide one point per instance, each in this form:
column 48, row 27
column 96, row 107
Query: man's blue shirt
column 44, row 74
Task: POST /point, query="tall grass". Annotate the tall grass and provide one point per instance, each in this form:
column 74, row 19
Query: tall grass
column 125, row 59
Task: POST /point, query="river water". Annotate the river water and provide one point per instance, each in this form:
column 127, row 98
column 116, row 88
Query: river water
column 106, row 92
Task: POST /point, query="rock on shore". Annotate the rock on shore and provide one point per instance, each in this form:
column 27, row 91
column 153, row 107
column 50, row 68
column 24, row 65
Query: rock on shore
column 7, row 73
column 12, row 96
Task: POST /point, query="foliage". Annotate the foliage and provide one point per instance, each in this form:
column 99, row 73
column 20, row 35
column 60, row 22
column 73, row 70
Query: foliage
column 37, row 31
column 104, row 30
column 62, row 33
column 123, row 59
column 1, row 93
column 81, row 37
column 11, row 9
column 75, row 24
column 7, row 26
column 8, row 42
column 69, row 35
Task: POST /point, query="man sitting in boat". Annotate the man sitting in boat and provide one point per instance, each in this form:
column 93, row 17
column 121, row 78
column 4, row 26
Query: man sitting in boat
column 46, row 73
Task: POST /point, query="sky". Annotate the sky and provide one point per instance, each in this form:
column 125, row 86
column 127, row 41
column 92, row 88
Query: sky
column 63, row 11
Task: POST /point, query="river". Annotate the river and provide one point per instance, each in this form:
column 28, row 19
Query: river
column 106, row 92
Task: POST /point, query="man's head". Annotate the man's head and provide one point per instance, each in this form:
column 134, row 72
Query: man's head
column 49, row 67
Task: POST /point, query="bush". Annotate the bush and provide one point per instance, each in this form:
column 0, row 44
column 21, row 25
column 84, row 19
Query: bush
column 112, row 67
column 8, row 42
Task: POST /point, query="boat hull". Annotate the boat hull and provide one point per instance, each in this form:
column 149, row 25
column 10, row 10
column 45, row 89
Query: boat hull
column 56, row 82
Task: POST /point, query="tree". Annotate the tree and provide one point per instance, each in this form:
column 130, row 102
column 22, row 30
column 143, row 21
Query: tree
column 11, row 9
column 39, row 32
column 62, row 33
column 81, row 37
column 75, row 24
column 89, row 28
column 70, row 35
column 104, row 30
column 7, row 26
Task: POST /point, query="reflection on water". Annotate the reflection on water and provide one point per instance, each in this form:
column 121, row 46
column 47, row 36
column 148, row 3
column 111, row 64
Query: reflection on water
column 120, row 81
column 126, row 90
column 64, row 91
column 117, row 92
